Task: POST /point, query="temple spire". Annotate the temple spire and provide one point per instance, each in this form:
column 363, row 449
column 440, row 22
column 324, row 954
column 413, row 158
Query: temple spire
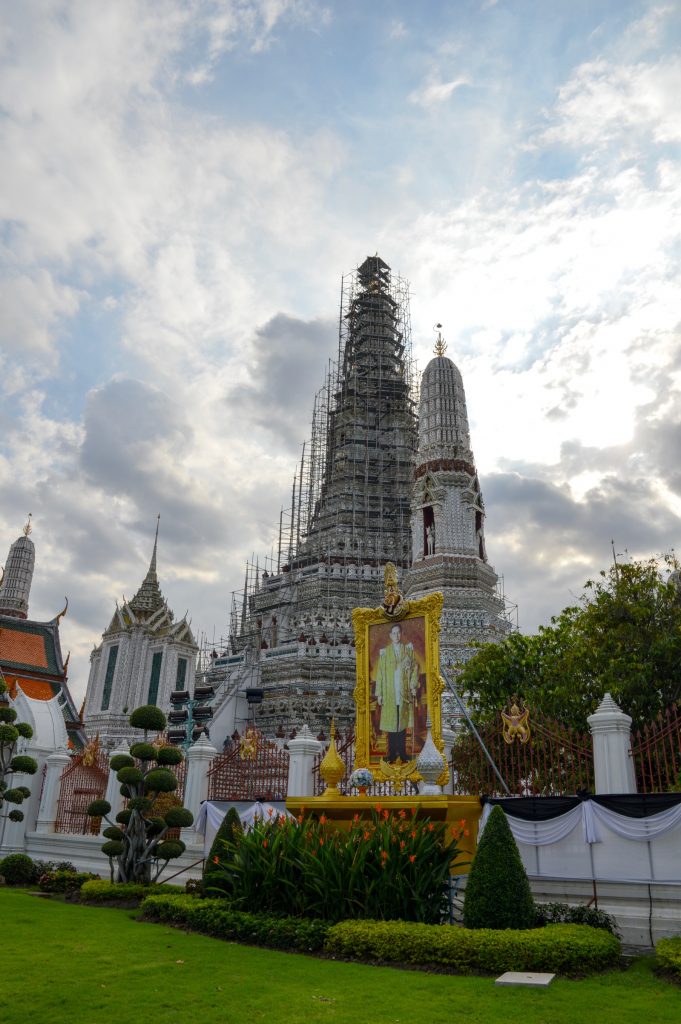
column 16, row 579
column 148, row 598
column 152, row 564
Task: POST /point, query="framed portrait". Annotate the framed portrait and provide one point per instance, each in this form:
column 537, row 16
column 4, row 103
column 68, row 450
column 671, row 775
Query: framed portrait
column 398, row 684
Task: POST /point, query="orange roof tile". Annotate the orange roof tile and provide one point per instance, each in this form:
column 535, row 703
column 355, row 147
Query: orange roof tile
column 22, row 648
column 35, row 688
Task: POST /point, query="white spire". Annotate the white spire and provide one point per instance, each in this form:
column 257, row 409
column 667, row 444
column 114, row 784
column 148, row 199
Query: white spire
column 15, row 584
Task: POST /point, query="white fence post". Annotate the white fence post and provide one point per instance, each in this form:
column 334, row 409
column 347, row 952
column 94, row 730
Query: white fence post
column 611, row 738
column 302, row 752
column 55, row 764
column 199, row 758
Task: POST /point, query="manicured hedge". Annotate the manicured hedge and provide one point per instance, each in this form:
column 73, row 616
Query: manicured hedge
column 562, row 948
column 668, row 952
column 122, row 892
column 214, row 917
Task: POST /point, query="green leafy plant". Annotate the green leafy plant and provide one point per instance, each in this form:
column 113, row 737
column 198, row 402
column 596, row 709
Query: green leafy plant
column 221, row 851
column 215, row 917
column 12, row 763
column 568, row 949
column 387, row 866
column 64, row 881
column 668, row 956
column 497, row 892
column 138, row 842
column 563, row 913
column 18, row 869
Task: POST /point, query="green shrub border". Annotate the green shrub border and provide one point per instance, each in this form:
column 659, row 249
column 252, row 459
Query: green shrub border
column 122, row 892
column 668, row 954
column 213, row 917
column 567, row 949
column 572, row 950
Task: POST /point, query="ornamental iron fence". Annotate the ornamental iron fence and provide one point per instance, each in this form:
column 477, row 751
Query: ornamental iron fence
column 82, row 781
column 252, row 768
column 656, row 752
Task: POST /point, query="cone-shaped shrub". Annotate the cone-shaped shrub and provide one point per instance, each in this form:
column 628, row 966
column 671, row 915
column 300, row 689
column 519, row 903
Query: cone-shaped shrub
column 222, row 851
column 498, row 892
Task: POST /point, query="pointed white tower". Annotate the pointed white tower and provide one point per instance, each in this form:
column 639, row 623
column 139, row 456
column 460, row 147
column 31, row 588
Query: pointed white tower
column 447, row 517
column 144, row 655
column 15, row 582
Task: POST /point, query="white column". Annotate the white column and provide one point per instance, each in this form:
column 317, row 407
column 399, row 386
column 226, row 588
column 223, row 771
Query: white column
column 611, row 738
column 113, row 794
column 55, row 764
column 199, row 758
column 302, row 752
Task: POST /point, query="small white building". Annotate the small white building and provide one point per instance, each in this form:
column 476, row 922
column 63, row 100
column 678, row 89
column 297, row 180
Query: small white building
column 144, row 655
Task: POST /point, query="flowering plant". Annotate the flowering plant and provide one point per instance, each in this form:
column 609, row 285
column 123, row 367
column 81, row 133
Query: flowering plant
column 361, row 777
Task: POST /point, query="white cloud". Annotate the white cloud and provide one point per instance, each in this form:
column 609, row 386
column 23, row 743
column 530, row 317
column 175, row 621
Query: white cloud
column 436, row 92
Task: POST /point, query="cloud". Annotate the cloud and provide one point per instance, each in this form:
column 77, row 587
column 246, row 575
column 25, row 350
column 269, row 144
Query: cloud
column 436, row 92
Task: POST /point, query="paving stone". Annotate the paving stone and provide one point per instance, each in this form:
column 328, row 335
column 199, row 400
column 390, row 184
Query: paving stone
column 525, row 978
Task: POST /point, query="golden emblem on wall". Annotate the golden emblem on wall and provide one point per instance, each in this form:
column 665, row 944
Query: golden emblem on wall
column 248, row 746
column 91, row 752
column 516, row 723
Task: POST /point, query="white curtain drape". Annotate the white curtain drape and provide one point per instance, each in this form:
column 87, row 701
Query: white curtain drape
column 589, row 814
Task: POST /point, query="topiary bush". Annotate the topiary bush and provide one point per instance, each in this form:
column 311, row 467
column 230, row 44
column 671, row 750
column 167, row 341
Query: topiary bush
column 12, row 763
column 18, row 869
column 567, row 949
column 138, row 842
column 221, row 852
column 64, row 881
column 497, row 892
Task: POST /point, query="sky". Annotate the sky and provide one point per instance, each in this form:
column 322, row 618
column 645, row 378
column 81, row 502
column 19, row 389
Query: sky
column 183, row 184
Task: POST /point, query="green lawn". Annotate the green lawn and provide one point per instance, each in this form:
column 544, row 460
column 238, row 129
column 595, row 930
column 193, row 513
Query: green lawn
column 67, row 963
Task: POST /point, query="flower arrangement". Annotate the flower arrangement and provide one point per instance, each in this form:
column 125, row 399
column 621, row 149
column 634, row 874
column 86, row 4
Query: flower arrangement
column 361, row 779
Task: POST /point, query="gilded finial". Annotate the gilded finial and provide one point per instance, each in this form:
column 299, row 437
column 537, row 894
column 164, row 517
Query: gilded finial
column 392, row 599
column 27, row 529
column 62, row 613
column 440, row 344
column 332, row 768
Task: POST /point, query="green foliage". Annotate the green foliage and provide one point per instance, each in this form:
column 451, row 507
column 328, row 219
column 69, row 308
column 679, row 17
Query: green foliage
column 179, row 817
column 221, row 851
column 24, row 765
column 160, row 780
column 624, row 637
column 18, row 869
column 143, row 751
column 119, row 761
column 148, row 717
column 123, row 892
column 170, row 849
column 562, row 913
column 389, row 866
column 16, row 816
column 98, row 808
column 170, row 755
column 8, row 734
column 8, row 715
column 25, row 791
column 214, row 917
column 561, row 948
column 64, row 881
column 497, row 891
column 140, row 845
column 668, row 956
column 14, row 796
column 25, row 730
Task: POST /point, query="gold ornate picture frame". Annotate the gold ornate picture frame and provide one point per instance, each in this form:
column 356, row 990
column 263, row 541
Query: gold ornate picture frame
column 397, row 649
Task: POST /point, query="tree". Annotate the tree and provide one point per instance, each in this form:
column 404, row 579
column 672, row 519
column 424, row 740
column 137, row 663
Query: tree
column 12, row 763
column 624, row 637
column 221, row 852
column 497, row 892
column 139, row 843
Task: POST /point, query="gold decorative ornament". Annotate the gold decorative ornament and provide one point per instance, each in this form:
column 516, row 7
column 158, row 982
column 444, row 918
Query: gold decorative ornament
column 516, row 724
column 91, row 752
column 398, row 772
column 248, row 747
column 332, row 768
column 393, row 603
column 440, row 344
column 27, row 528
column 63, row 612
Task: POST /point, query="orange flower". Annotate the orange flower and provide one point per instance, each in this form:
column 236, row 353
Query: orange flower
column 430, row 826
column 386, row 814
column 413, row 810
column 378, row 808
column 403, row 813
column 355, row 817
column 367, row 835
column 413, row 834
column 300, row 819
column 264, row 843
column 321, row 842
column 463, row 823
column 323, row 820
column 466, row 832
column 270, row 812
column 384, row 854
column 402, row 844
column 216, row 860
column 412, row 857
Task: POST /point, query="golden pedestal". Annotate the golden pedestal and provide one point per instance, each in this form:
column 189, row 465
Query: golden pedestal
column 341, row 810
